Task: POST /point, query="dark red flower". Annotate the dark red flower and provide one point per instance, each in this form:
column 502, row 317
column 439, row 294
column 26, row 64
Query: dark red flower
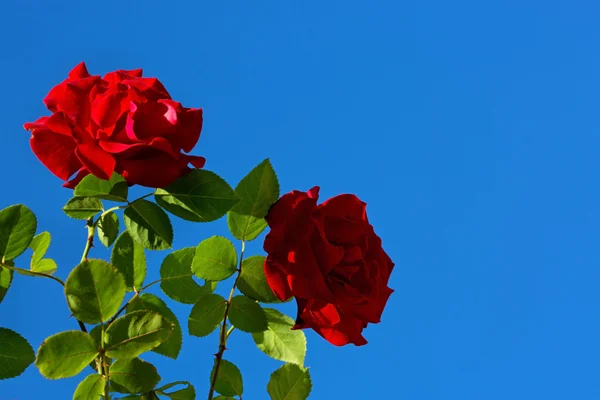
column 123, row 123
column 329, row 258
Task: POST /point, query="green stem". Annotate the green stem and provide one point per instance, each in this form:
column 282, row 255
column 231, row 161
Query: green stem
column 28, row 272
column 141, row 198
column 230, row 330
column 91, row 227
column 32, row 273
column 123, row 308
column 150, row 284
column 224, row 333
column 105, row 368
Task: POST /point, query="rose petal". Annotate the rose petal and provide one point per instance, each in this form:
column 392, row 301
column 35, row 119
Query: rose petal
column 196, row 161
column 79, row 72
column 324, row 314
column 189, row 127
column 327, row 254
column 150, row 120
column 130, row 150
column 152, row 168
column 290, row 222
column 349, row 330
column 346, row 206
column 37, row 124
column 96, row 160
column 304, row 275
column 122, row 75
column 108, row 108
column 56, row 151
column 314, row 192
column 148, row 88
column 82, row 173
column 72, row 97
column 276, row 278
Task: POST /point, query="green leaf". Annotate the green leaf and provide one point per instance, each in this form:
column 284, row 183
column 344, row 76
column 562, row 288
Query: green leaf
column 176, row 277
column 16, row 354
column 279, row 341
column 258, row 191
column 39, row 244
column 83, row 207
column 95, row 291
column 247, row 315
column 114, row 189
column 129, row 258
column 229, row 379
column 65, row 354
column 172, row 346
column 206, row 315
column 215, row 259
column 289, row 382
column 108, row 228
column 187, row 393
column 134, row 375
column 135, row 333
column 200, row 196
column 5, row 281
column 45, row 266
column 17, row 227
column 91, row 388
column 253, row 281
column 149, row 225
column 224, row 398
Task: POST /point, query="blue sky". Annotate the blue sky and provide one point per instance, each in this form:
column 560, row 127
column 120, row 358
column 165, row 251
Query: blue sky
column 470, row 128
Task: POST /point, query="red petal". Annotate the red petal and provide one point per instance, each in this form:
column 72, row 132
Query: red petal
column 72, row 97
column 82, row 173
column 189, row 127
column 108, row 108
column 56, row 152
column 122, row 75
column 129, row 150
column 314, row 192
column 148, row 88
column 290, row 222
column 276, row 278
column 39, row 123
column 327, row 255
column 346, row 206
column 325, row 314
column 152, row 168
column 346, row 332
column 96, row 160
column 79, row 71
column 305, row 277
column 59, row 123
column 196, row 161
column 150, row 120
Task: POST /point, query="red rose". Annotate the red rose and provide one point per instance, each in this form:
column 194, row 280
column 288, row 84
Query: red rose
column 122, row 122
column 331, row 260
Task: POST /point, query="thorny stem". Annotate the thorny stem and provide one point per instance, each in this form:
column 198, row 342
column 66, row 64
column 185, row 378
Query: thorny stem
column 91, row 227
column 224, row 333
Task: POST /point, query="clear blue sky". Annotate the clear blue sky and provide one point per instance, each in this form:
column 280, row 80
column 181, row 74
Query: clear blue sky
column 471, row 129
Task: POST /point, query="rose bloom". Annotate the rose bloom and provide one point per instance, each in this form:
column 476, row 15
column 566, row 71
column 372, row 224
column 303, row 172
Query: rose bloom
column 329, row 258
column 122, row 122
